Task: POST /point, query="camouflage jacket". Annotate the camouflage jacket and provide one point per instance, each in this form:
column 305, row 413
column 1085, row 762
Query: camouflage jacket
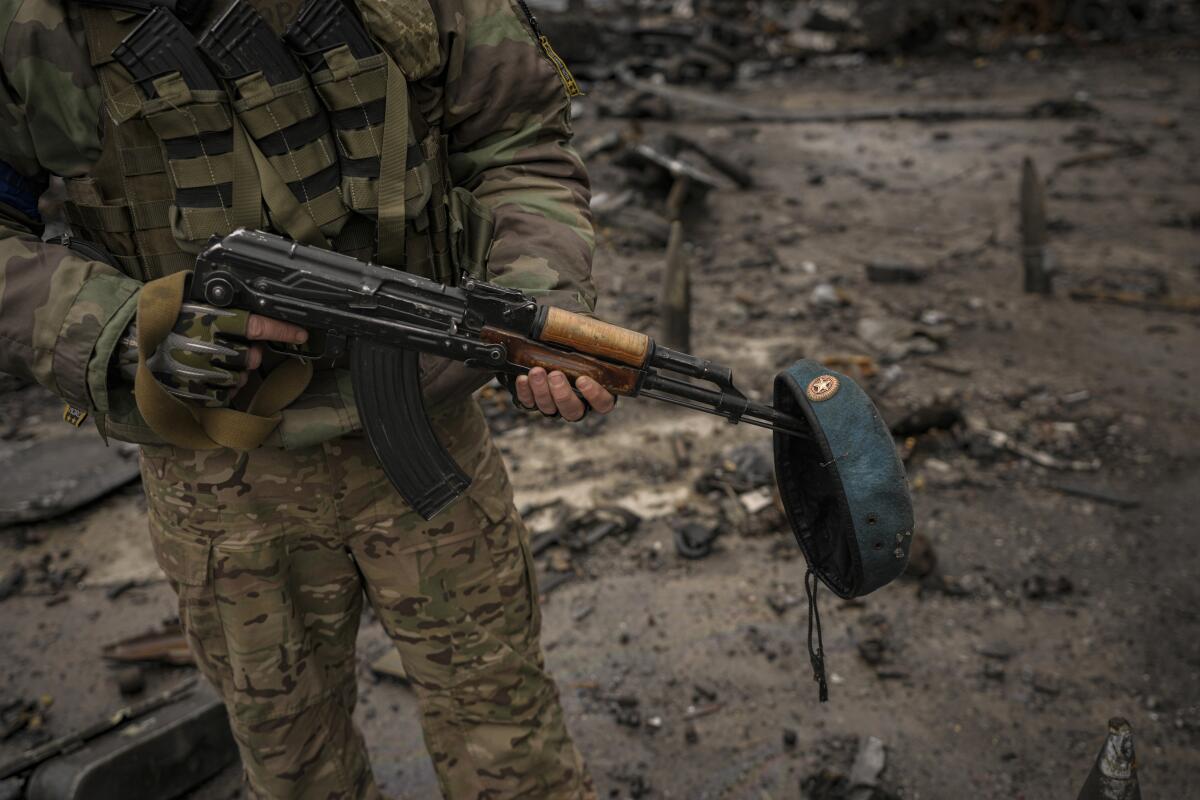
column 496, row 96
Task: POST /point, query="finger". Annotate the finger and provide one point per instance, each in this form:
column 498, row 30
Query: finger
column 234, row 355
column 570, row 406
column 524, row 393
column 254, row 357
column 540, row 384
column 274, row 330
column 597, row 396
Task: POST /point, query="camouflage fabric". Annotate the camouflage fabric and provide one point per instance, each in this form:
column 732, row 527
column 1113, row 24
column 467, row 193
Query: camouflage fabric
column 271, row 551
column 270, row 555
column 487, row 86
column 202, row 358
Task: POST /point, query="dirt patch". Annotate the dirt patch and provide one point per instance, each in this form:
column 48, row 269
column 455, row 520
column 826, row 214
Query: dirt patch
column 1043, row 614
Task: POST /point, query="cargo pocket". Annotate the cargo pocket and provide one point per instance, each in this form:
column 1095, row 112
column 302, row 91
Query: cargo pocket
column 513, row 577
column 495, row 651
column 291, row 129
column 196, row 129
column 187, row 564
column 267, row 644
column 185, row 561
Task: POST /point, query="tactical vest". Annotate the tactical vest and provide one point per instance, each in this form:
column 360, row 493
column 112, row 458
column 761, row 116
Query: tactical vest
column 186, row 165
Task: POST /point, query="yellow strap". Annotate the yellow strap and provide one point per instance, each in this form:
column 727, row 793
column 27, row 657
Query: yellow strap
column 286, row 211
column 393, row 165
column 193, row 427
column 247, row 191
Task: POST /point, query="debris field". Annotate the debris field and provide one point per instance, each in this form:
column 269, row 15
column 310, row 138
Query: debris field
column 988, row 220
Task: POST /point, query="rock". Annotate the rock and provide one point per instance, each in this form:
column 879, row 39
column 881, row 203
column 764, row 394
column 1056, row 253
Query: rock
column 789, row 738
column 694, row 540
column 756, row 500
column 872, row 637
column 824, row 295
column 868, row 764
column 780, row 602
column 1000, row 651
column 12, row 582
column 934, row 415
column 811, row 42
column 627, row 715
column 560, row 559
column 922, row 558
column 896, row 339
column 895, row 273
column 1039, row 587
column 743, row 468
column 1046, row 684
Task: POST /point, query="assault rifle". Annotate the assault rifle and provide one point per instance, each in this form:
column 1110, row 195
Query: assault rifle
column 382, row 318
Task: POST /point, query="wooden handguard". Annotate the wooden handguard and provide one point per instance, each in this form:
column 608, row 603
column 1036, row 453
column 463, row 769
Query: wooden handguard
column 589, row 335
column 528, row 353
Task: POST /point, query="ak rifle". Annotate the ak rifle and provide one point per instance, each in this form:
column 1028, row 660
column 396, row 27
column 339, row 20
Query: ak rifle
column 381, row 319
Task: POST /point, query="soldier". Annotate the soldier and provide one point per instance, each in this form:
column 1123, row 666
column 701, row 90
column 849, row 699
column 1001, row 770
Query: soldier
column 271, row 550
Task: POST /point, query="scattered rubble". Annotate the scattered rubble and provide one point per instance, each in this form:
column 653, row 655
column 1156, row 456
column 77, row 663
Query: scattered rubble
column 862, row 782
column 1039, row 587
column 49, row 477
column 166, row 645
column 879, row 272
column 695, row 540
column 911, row 283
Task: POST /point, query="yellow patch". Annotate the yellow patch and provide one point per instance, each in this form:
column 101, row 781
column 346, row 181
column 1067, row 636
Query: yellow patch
column 564, row 72
column 74, row 415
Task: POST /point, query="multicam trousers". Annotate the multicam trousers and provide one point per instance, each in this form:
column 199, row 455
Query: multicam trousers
column 270, row 554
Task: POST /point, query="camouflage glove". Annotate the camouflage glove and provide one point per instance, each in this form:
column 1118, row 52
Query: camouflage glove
column 204, row 359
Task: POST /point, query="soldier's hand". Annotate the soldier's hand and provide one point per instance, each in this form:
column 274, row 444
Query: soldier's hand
column 209, row 353
column 552, row 395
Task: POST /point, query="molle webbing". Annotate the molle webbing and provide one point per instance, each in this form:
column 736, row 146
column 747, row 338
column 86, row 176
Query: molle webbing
column 124, row 205
column 382, row 161
column 215, row 187
column 277, row 106
column 168, row 174
column 209, row 165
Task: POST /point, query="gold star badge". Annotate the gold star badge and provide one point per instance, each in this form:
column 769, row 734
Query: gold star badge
column 822, row 388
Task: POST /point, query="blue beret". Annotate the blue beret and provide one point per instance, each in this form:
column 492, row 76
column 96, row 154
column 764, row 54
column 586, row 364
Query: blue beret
column 843, row 484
